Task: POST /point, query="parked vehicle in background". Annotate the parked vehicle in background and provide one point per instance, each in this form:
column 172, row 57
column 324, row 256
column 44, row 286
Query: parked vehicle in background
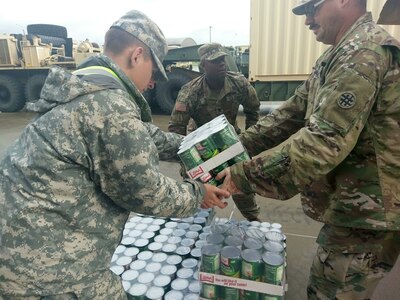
column 25, row 60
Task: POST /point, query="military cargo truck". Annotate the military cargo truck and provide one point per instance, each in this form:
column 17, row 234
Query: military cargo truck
column 25, row 60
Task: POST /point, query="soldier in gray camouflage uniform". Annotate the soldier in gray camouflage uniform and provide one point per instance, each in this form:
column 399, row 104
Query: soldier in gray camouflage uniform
column 69, row 182
column 344, row 157
column 214, row 93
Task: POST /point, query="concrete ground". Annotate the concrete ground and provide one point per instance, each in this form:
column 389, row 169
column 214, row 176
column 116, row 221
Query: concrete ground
column 300, row 230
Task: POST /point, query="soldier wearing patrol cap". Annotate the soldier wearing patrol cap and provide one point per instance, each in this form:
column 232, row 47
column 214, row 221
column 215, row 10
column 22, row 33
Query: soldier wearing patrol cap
column 214, row 93
column 70, row 181
column 344, row 153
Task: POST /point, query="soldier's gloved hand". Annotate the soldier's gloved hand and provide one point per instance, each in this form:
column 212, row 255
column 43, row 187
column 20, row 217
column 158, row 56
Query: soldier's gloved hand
column 182, row 171
column 228, row 184
column 213, row 197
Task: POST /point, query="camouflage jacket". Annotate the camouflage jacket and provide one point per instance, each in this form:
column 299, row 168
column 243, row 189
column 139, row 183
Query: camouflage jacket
column 193, row 102
column 344, row 155
column 69, row 182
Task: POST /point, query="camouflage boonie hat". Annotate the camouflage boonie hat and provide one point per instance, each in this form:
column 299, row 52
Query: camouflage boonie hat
column 140, row 26
column 211, row 51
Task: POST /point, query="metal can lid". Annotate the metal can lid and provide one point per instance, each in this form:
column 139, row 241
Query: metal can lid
column 215, row 238
column 127, row 241
column 196, row 275
column 191, row 296
column 141, row 242
column 169, row 248
column 210, row 250
column 141, row 226
column 196, row 253
column 255, row 233
column 159, row 222
column 118, row 270
column 138, row 289
column 276, row 225
column 230, row 252
column 195, row 227
column 138, row 265
column 161, row 238
column 273, row 246
column 200, row 243
column 171, row 224
column 179, row 284
column 145, row 255
column 153, row 228
column 187, row 242
column 199, row 220
column 192, row 234
column 179, row 232
column 174, row 259
column 114, row 257
column 203, row 214
column 184, row 273
column 135, row 233
column 153, row 267
column 123, row 261
column 132, row 251
column 147, row 220
column 125, row 285
column 148, row 235
column 182, row 250
column 183, row 225
column 273, row 259
column 189, row 263
column 220, row 228
column 129, row 225
column 252, row 243
column 166, row 231
column 168, row 270
column 173, row 295
column 174, row 240
column 274, row 236
column 146, row 277
column 154, row 293
column 130, row 275
column 207, row 229
column 265, row 224
column 251, row 255
column 235, row 241
column 159, row 257
column 154, row 246
column 135, row 219
column 194, row 286
column 204, row 235
column 162, row 280
column 120, row 249
column 188, row 219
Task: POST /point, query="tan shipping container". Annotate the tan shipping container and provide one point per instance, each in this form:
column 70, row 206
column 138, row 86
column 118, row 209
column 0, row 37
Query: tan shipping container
column 282, row 48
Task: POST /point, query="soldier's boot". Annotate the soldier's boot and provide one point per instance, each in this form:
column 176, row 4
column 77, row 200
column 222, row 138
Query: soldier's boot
column 247, row 206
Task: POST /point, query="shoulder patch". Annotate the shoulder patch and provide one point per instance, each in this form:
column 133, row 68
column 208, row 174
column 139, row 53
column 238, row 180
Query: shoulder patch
column 346, row 100
column 180, row 107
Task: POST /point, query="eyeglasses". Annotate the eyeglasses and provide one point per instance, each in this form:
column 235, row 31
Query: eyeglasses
column 310, row 10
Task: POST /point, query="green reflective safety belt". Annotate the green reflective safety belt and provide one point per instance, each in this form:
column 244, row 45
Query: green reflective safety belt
column 97, row 70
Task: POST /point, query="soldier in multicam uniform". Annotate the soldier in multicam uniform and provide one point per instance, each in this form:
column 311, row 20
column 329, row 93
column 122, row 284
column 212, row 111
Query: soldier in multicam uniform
column 69, row 182
column 214, row 93
column 344, row 156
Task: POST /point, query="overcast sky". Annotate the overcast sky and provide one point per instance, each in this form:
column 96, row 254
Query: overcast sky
column 229, row 19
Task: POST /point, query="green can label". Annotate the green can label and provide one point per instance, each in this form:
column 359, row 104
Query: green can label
column 209, row 291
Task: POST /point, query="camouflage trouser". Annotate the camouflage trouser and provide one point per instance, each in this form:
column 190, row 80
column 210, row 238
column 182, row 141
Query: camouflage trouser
column 343, row 274
column 109, row 287
column 247, row 206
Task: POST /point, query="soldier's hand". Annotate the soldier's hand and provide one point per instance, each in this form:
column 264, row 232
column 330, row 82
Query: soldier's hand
column 213, row 197
column 228, row 184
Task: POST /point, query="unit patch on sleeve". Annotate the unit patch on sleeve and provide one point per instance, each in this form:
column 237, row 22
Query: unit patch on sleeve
column 346, row 100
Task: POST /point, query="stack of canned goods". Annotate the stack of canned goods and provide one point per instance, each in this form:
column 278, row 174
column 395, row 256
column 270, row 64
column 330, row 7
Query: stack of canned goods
column 206, row 142
column 248, row 250
column 159, row 258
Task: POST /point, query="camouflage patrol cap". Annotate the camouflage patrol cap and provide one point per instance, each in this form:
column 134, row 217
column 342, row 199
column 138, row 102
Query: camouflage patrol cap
column 143, row 28
column 211, row 51
column 299, row 8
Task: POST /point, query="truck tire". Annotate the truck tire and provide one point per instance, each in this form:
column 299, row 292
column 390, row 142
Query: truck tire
column 167, row 92
column 11, row 95
column 48, row 29
column 34, row 86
